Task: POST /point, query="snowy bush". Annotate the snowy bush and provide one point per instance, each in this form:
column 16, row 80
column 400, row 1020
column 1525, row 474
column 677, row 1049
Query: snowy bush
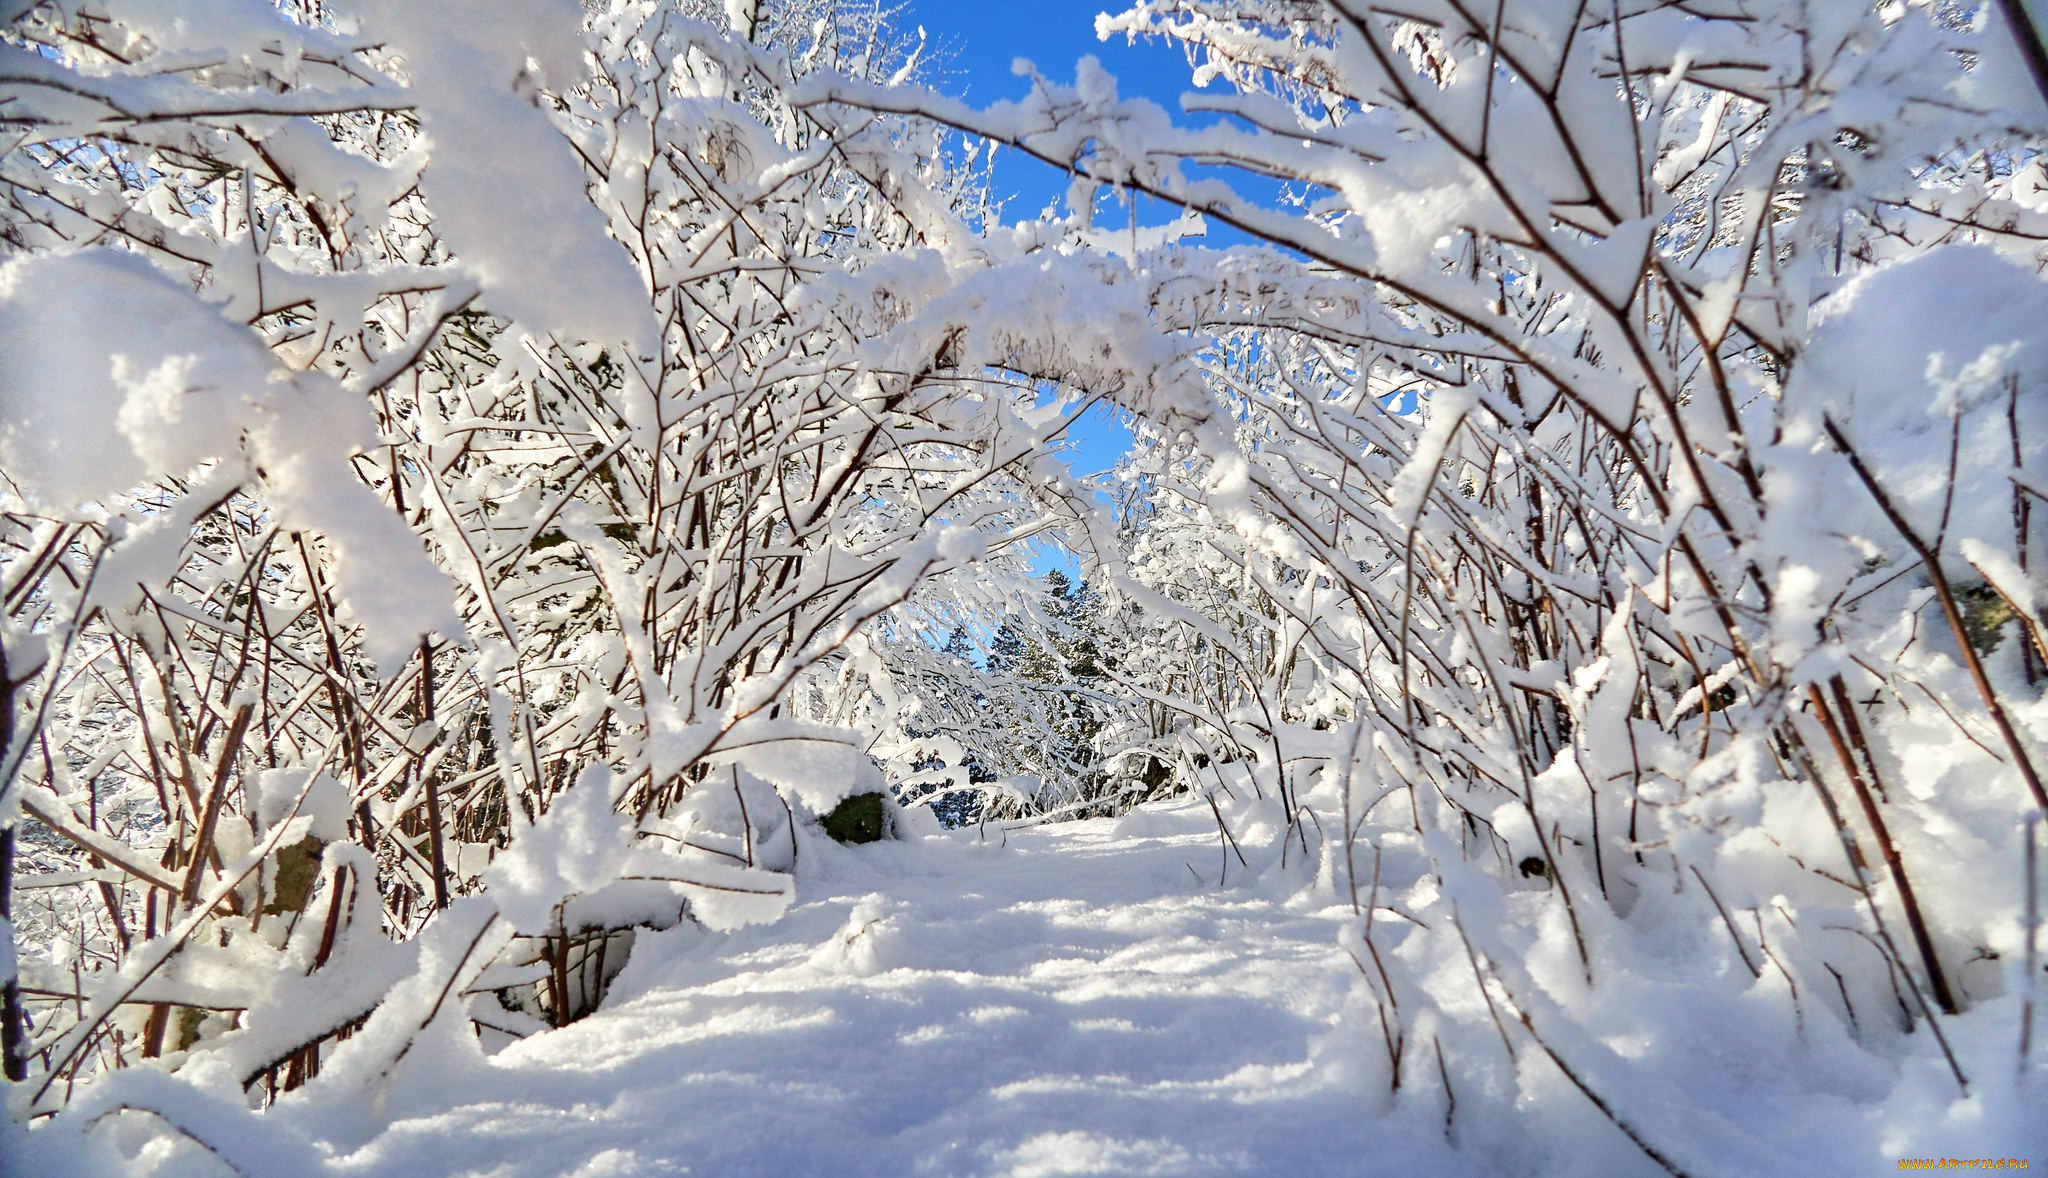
column 1598, row 534
column 496, row 424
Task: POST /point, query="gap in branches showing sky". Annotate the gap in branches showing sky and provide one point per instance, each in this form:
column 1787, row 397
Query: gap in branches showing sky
column 973, row 47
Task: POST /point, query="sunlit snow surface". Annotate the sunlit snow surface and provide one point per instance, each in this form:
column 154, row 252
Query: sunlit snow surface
column 1075, row 999
column 1073, row 1003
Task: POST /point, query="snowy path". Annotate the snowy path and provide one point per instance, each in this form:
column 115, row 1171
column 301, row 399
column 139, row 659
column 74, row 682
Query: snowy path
column 1073, row 1003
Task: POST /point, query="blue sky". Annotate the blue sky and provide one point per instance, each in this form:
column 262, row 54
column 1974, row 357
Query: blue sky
column 975, row 44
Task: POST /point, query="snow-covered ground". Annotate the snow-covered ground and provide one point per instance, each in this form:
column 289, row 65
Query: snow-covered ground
column 1073, row 1002
column 1083, row 998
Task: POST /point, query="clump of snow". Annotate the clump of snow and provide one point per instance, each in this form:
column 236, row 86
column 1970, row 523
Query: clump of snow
column 1917, row 361
column 506, row 189
column 577, row 846
column 123, row 355
column 815, row 765
column 119, row 341
column 274, row 792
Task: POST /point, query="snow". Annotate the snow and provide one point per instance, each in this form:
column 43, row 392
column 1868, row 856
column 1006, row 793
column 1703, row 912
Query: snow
column 1072, row 1003
column 577, row 846
column 163, row 374
column 1900, row 349
column 120, row 342
column 813, row 763
column 1065, row 1000
column 507, row 191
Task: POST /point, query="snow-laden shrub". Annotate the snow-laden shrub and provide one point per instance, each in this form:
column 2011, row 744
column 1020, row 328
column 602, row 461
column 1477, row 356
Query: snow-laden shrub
column 1593, row 528
column 430, row 477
